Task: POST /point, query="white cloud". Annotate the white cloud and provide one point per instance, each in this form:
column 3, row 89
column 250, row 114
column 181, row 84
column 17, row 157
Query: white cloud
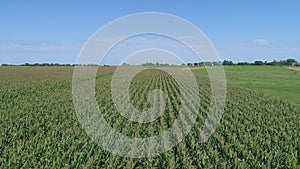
column 262, row 42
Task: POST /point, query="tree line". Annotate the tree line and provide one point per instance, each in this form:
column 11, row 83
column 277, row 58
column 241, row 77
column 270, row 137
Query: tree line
column 287, row 62
column 49, row 64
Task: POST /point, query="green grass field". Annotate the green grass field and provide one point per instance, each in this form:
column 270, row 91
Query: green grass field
column 275, row 81
column 39, row 127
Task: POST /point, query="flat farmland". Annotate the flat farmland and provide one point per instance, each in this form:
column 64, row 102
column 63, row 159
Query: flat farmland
column 39, row 127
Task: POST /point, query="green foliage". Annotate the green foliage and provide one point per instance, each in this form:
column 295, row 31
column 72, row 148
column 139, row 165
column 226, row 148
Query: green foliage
column 226, row 62
column 258, row 63
column 287, row 62
column 39, row 128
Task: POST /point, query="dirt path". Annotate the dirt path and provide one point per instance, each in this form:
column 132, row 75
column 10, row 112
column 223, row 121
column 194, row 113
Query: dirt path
column 297, row 68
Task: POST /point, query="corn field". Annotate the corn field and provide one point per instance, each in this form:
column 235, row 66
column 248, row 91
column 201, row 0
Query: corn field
column 39, row 127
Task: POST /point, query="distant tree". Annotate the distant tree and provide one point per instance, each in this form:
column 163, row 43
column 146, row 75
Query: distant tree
column 45, row 64
column 243, row 63
column 148, row 64
column 269, row 63
column 278, row 63
column 226, row 62
column 258, row 63
column 164, row 64
column 91, row 64
column 4, row 64
column 290, row 62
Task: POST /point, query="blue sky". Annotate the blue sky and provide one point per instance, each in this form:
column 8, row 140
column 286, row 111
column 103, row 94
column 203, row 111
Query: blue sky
column 54, row 31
